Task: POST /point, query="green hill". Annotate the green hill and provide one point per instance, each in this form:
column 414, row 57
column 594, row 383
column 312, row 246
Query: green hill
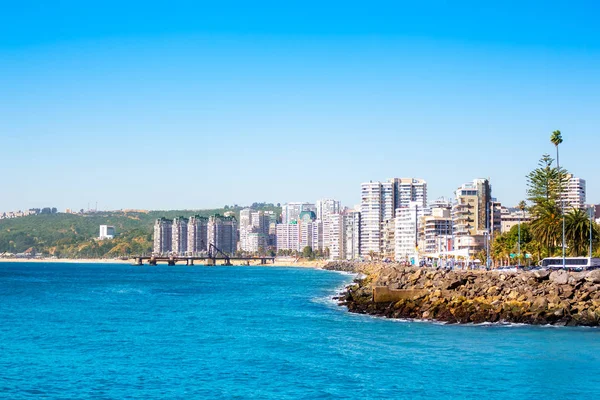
column 74, row 235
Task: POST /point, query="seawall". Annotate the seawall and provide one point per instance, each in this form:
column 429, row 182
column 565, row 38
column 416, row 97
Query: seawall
column 531, row 297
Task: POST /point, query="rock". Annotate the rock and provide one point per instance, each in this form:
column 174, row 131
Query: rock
column 541, row 275
column 593, row 276
column 540, row 304
column 456, row 284
column 559, row 277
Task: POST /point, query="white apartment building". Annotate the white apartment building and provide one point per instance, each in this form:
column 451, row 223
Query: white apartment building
column 107, row 232
column 352, row 235
column 197, row 240
column 257, row 242
column 407, row 231
column 574, row 193
column 251, row 222
column 437, row 231
column 325, row 208
column 510, row 217
column 291, row 211
column 345, row 236
column 377, row 206
column 409, row 190
column 180, row 236
column 222, row 233
column 163, row 235
column 288, row 237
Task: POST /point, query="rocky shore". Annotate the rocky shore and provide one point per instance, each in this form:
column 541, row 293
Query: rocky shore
column 530, row 297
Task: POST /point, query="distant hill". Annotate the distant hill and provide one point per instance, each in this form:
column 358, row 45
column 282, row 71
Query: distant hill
column 74, row 235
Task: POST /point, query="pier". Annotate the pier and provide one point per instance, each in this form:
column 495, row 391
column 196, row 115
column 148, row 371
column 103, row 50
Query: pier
column 213, row 257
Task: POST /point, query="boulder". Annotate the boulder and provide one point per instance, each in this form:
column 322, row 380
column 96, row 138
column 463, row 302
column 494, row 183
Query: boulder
column 559, row 277
column 593, row 276
column 541, row 275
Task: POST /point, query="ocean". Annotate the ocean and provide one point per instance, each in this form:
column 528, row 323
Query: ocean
column 120, row 331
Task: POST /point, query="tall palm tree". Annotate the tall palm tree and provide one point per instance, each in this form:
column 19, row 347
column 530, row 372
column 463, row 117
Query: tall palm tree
column 556, row 139
column 546, row 225
column 578, row 232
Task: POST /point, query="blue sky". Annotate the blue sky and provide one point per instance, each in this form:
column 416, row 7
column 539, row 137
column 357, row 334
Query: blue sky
column 200, row 104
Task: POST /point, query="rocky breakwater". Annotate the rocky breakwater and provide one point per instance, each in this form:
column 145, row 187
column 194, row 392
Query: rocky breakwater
column 536, row 297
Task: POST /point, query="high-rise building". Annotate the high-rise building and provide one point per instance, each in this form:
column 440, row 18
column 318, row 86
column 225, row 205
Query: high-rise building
column 407, row 190
column 472, row 216
column 345, row 235
column 180, row 236
column 377, row 207
column 325, row 208
column 352, row 235
column 288, row 237
column 408, row 221
column 291, row 211
column 437, row 230
column 163, row 231
column 222, row 233
column 510, row 217
column 574, row 193
column 245, row 227
column 197, row 240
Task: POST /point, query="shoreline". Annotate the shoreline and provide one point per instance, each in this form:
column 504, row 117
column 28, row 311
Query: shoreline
column 544, row 298
column 278, row 263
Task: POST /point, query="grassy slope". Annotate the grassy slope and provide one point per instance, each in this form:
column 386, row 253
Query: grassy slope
column 69, row 235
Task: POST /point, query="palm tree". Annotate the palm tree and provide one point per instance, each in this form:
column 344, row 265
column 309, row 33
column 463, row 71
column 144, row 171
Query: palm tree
column 521, row 207
column 578, row 232
column 546, row 225
column 556, row 139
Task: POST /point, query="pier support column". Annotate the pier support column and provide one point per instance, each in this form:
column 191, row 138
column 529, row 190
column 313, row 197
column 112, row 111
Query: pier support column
column 152, row 262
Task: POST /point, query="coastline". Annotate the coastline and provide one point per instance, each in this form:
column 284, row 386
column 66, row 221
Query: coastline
column 278, row 263
column 558, row 298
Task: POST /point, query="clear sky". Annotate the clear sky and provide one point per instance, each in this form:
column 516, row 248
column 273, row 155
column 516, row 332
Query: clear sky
column 200, row 104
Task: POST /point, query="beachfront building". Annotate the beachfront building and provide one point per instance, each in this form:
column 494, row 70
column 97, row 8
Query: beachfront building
column 222, row 233
column 408, row 190
column 406, row 236
column 436, row 231
column 510, row 217
column 574, row 194
column 325, row 208
column 291, row 211
column 288, row 237
column 254, row 222
column 245, row 227
column 352, row 235
column 180, row 236
column 257, row 242
column 344, row 236
column 163, row 232
column 107, row 232
column 471, row 216
column 377, row 206
column 197, row 239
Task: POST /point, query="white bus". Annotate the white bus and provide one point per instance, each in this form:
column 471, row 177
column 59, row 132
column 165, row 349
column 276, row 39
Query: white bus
column 577, row 263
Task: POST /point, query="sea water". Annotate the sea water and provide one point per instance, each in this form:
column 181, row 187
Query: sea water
column 120, row 331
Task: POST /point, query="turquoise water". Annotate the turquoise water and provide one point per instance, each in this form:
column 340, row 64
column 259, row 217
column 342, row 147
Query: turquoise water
column 117, row 331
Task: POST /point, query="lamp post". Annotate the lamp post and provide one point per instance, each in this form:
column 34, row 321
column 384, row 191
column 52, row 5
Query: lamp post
column 591, row 228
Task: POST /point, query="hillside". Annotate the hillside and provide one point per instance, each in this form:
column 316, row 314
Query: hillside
column 74, row 235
